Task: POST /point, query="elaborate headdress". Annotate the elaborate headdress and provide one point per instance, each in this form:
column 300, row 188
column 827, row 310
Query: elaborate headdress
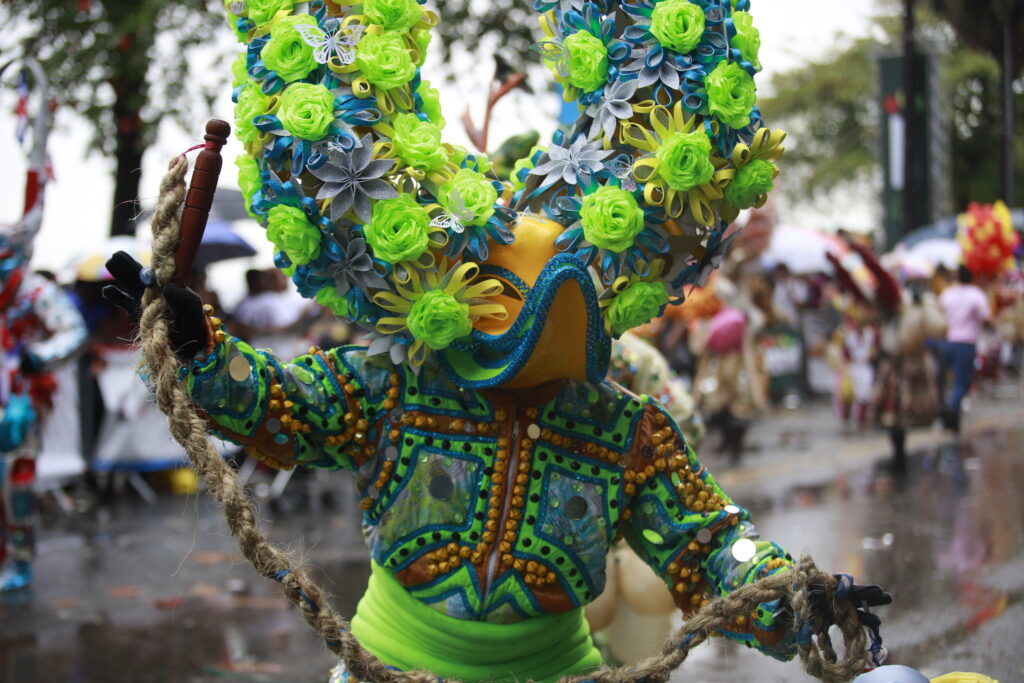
column 16, row 239
column 377, row 218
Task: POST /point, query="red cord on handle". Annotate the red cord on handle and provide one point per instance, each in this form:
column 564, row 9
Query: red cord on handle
column 200, row 197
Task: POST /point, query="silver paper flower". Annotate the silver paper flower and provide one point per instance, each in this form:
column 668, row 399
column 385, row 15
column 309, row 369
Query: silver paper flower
column 613, row 105
column 664, row 68
column 353, row 178
column 355, row 269
column 578, row 161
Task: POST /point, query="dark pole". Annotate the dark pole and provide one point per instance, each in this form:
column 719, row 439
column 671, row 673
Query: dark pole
column 1009, row 181
column 910, row 120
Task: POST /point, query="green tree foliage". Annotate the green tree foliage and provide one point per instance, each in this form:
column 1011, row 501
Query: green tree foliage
column 471, row 24
column 832, row 110
column 123, row 65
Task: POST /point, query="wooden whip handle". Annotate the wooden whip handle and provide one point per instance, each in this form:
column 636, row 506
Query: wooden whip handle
column 200, row 198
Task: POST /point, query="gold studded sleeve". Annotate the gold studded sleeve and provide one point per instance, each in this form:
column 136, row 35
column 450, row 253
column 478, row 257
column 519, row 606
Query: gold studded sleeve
column 322, row 409
column 689, row 531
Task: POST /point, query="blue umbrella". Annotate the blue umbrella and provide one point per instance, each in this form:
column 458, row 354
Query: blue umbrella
column 220, row 243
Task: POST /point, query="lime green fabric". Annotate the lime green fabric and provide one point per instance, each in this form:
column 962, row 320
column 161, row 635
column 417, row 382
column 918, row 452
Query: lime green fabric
column 405, row 633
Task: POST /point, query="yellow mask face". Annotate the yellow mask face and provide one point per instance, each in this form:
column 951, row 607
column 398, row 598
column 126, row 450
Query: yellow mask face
column 561, row 350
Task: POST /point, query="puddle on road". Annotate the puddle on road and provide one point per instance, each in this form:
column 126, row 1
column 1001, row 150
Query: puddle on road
column 158, row 594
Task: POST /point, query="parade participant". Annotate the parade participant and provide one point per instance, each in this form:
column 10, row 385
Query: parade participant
column 41, row 328
column 967, row 311
column 496, row 462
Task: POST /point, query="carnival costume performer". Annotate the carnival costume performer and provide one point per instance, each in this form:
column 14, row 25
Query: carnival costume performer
column 41, row 328
column 497, row 464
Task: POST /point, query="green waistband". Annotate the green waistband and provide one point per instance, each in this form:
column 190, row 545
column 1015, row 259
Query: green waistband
column 408, row 634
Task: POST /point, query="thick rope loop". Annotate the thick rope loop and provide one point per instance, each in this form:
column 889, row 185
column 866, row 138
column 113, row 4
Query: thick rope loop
column 190, row 430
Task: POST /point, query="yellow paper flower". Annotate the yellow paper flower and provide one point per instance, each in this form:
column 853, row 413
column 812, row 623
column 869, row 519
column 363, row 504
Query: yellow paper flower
column 681, row 170
column 437, row 308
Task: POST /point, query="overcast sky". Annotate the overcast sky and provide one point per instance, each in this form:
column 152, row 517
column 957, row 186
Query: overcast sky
column 78, row 202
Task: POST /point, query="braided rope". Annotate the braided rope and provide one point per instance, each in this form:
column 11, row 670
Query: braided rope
column 190, row 430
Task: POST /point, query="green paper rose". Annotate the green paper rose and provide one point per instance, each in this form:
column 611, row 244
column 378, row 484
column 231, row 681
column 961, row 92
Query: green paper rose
column 685, row 160
column 677, row 24
column 437, row 319
column 233, row 22
column 307, row 110
column 747, row 39
column 338, row 305
column 611, row 218
column 636, row 305
column 384, row 60
column 251, row 103
column 750, row 182
column 423, row 39
column 291, row 233
column 476, row 192
column 262, row 11
column 588, row 60
column 398, row 229
column 239, row 73
column 393, row 15
column 418, row 143
column 249, row 180
column 431, row 103
column 286, row 53
column 730, row 94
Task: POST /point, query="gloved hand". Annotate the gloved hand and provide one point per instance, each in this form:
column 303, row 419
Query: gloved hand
column 189, row 333
column 863, row 598
column 30, row 363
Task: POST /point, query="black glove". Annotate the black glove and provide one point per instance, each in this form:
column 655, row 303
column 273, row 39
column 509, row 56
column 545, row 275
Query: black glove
column 189, row 333
column 863, row 598
column 30, row 363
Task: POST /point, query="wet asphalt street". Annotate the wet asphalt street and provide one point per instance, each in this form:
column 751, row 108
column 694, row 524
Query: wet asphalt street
column 138, row 592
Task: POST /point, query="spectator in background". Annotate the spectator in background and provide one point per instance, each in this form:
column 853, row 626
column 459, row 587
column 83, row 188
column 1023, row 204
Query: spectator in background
column 967, row 311
column 273, row 314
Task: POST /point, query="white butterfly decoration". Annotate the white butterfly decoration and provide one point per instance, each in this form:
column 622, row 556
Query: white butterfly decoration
column 555, row 52
column 455, row 221
column 622, row 170
column 340, row 44
column 237, row 7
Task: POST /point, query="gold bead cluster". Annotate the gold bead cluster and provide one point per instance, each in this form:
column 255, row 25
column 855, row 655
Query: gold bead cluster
column 446, row 559
column 215, row 324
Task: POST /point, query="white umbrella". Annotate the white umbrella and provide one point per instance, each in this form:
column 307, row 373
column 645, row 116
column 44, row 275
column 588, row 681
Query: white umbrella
column 940, row 251
column 801, row 250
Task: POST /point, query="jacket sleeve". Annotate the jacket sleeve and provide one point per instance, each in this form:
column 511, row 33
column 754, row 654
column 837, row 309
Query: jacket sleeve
column 65, row 330
column 693, row 536
column 323, row 409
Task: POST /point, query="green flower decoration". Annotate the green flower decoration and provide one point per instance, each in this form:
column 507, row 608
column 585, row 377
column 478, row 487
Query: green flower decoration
column 431, row 103
column 307, row 110
column 291, row 233
column 750, row 182
column 286, row 53
column 398, row 229
column 611, row 218
column 588, row 60
column 263, row 11
column 677, row 24
column 239, row 74
column 249, row 179
column 636, row 305
column 437, row 319
column 233, row 22
column 384, row 60
column 685, row 160
column 475, row 192
column 747, row 39
column 251, row 103
column 730, row 94
column 393, row 15
column 423, row 39
column 418, row 142
column 338, row 305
